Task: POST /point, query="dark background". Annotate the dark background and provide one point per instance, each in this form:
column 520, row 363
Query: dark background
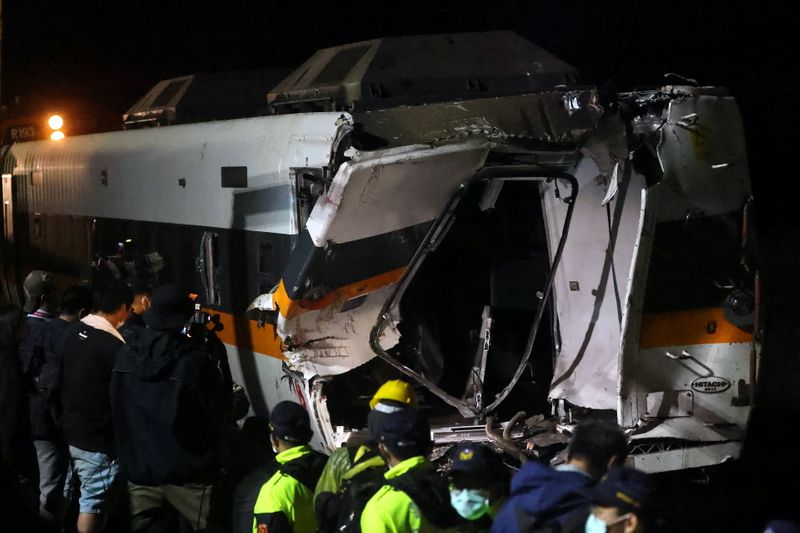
column 92, row 59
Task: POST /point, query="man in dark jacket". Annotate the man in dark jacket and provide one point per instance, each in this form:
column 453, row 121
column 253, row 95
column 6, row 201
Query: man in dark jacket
column 14, row 502
column 141, row 303
column 88, row 350
column 169, row 396
column 542, row 496
column 44, row 402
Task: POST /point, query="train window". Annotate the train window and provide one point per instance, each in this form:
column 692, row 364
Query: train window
column 36, row 178
column 208, row 267
column 693, row 261
column 234, row 177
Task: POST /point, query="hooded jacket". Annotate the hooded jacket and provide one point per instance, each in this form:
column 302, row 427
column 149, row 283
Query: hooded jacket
column 168, row 399
column 541, row 495
column 87, row 353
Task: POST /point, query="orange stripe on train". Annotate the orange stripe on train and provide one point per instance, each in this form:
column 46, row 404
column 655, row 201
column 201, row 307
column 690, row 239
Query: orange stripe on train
column 695, row 326
column 241, row 332
column 290, row 308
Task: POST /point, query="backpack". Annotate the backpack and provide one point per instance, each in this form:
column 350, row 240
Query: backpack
column 179, row 381
column 356, row 491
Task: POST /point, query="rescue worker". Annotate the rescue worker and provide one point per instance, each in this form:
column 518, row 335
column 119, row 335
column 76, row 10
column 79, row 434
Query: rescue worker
column 358, row 464
column 478, row 486
column 414, row 497
column 285, row 501
column 621, row 502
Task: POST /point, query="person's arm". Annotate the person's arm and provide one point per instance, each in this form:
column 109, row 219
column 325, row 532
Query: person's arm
column 217, row 376
column 272, row 523
column 269, row 512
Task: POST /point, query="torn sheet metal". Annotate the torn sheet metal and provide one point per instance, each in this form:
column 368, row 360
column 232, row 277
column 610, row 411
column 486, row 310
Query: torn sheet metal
column 380, row 192
column 703, row 155
column 590, row 285
column 329, row 341
column 524, row 121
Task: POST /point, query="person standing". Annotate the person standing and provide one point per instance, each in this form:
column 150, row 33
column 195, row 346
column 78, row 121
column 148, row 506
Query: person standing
column 88, row 350
column 414, row 497
column 544, row 496
column 285, row 501
column 169, row 398
column 478, row 486
column 142, row 295
column 17, row 509
column 40, row 304
column 621, row 503
column 354, row 472
column 44, row 402
column 12, row 329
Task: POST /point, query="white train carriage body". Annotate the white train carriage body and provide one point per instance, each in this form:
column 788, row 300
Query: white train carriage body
column 536, row 252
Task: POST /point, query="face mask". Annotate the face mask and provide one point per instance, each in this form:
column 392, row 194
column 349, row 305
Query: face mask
column 595, row 525
column 469, row 503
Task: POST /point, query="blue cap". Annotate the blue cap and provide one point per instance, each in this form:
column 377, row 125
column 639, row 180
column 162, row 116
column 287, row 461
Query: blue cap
column 406, row 430
column 624, row 488
column 290, row 422
column 472, row 459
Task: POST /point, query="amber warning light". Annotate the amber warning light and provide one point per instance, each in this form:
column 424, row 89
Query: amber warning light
column 56, row 122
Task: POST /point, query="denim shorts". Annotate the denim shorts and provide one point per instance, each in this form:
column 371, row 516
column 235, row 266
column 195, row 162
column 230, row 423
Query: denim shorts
column 97, row 474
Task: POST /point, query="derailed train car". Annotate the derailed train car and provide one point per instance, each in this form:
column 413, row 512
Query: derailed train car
column 557, row 252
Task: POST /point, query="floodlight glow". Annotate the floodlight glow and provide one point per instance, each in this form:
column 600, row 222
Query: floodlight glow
column 57, row 135
column 55, row 122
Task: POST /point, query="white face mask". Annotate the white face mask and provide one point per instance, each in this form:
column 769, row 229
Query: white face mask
column 470, row 503
column 595, row 525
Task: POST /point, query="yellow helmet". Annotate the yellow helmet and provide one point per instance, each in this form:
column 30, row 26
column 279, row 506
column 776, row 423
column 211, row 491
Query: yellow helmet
column 395, row 389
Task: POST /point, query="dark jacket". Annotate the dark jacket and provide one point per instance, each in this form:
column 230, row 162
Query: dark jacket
column 133, row 327
column 44, row 377
column 88, row 359
column 169, row 398
column 541, row 495
column 31, row 351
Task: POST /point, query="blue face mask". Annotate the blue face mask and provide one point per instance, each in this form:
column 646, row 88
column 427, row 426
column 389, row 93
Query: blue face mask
column 595, row 525
column 470, row 503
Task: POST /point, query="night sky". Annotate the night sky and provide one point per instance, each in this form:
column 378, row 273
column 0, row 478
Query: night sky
column 98, row 57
